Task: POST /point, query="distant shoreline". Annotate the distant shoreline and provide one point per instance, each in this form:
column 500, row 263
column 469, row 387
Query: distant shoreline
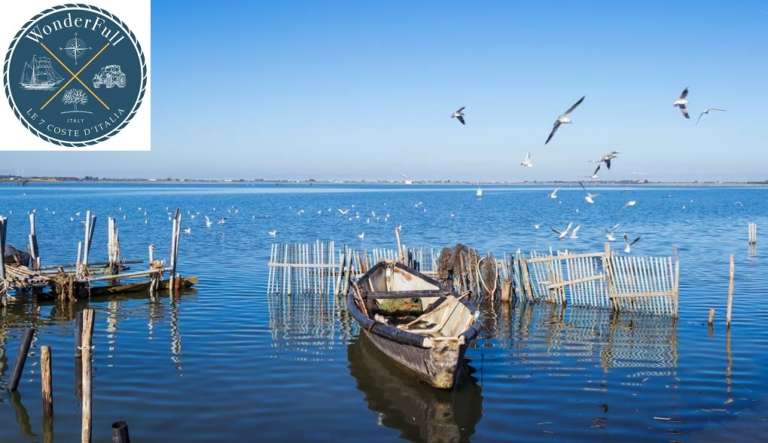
column 28, row 180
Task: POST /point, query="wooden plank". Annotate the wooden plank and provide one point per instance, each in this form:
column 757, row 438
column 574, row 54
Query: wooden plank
column 576, row 281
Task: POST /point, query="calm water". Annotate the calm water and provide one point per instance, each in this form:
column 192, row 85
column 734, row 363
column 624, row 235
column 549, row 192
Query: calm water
column 225, row 362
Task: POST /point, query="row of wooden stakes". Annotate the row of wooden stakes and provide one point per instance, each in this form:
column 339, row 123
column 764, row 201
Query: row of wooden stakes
column 84, row 374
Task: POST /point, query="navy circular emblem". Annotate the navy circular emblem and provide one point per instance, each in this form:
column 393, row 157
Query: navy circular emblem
column 75, row 75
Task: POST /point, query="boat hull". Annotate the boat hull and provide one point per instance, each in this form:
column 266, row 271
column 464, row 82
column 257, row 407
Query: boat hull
column 438, row 366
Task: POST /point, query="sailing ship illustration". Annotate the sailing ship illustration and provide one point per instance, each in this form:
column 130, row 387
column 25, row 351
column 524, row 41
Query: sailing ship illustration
column 39, row 75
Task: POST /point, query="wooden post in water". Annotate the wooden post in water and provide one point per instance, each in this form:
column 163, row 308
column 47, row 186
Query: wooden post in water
column 729, row 307
column 752, row 234
column 3, row 231
column 46, row 384
column 711, row 317
column 85, row 433
column 21, row 359
column 34, row 253
column 400, row 257
column 120, row 432
column 175, row 248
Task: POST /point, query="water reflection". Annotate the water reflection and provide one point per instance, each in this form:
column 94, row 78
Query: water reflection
column 296, row 318
column 418, row 411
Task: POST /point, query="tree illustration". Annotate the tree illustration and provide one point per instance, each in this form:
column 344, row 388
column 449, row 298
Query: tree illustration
column 75, row 97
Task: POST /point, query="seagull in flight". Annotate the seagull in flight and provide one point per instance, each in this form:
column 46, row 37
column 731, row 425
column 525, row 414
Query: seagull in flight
column 272, row 233
column 575, row 232
column 610, row 233
column 459, row 115
column 553, row 194
column 606, row 158
column 682, row 103
column 527, row 161
column 630, row 203
column 361, row 235
column 564, row 233
column 343, row 211
column 590, row 197
column 563, row 119
column 628, row 244
column 208, row 222
column 707, row 111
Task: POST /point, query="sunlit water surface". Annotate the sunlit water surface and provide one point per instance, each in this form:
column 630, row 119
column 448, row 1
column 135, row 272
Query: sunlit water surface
column 227, row 362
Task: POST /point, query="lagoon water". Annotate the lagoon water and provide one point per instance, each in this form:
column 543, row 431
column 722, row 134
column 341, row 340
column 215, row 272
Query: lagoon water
column 227, row 362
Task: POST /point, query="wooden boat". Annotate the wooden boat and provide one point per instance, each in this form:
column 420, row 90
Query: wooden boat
column 414, row 320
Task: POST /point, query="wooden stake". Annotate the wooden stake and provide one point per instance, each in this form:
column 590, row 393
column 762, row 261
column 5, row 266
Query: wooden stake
column 730, row 294
column 85, row 434
column 711, row 317
column 21, row 359
column 3, row 231
column 45, row 380
column 120, row 432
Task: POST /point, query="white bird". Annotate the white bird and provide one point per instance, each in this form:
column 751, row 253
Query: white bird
column 575, row 232
column 606, row 158
column 630, row 203
column 537, row 226
column 564, row 233
column 590, row 197
column 222, row 220
column 188, row 231
column 563, row 119
column 610, row 233
column 682, row 103
column 272, row 233
column 208, row 222
column 707, row 111
column 628, row 244
column 527, row 161
column 459, row 115
column 553, row 194
column 343, row 211
column 361, row 235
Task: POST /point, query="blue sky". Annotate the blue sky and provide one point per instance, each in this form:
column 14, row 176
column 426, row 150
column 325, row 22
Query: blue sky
column 350, row 89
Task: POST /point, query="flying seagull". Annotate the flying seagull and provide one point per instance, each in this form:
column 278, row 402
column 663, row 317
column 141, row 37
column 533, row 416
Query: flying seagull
column 707, row 112
column 682, row 103
column 590, row 197
column 610, row 233
column 563, row 119
column 272, row 233
column 459, row 115
column 564, row 233
column 527, row 161
column 361, row 235
column 630, row 204
column 343, row 211
column 553, row 194
column 606, row 158
column 575, row 232
column 628, row 244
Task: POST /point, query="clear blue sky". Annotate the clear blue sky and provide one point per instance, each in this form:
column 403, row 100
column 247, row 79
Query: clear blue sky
column 351, row 89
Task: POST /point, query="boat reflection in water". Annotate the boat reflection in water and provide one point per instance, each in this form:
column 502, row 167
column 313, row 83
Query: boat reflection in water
column 402, row 402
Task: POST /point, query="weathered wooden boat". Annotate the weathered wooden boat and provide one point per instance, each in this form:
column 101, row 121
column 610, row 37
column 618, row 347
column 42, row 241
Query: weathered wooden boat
column 414, row 320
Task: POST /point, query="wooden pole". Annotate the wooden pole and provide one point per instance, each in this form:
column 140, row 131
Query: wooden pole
column 711, row 317
column 85, row 433
column 729, row 308
column 3, row 231
column 21, row 359
column 33, row 249
column 399, row 245
column 45, row 380
column 175, row 248
column 120, row 432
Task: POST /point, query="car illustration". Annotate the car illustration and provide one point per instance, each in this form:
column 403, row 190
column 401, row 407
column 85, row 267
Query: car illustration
column 109, row 76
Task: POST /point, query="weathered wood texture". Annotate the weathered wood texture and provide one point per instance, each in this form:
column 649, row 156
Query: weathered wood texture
column 46, row 384
column 21, row 359
column 87, row 395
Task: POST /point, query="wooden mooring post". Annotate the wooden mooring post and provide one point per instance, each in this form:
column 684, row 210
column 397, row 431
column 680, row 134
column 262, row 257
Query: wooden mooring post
column 752, row 233
column 85, row 432
column 46, row 384
column 729, row 308
column 113, row 245
column 21, row 359
column 120, row 432
column 711, row 317
column 176, row 230
column 3, row 231
column 34, row 252
column 90, row 222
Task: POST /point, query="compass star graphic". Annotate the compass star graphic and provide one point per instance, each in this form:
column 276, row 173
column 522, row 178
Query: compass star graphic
column 75, row 47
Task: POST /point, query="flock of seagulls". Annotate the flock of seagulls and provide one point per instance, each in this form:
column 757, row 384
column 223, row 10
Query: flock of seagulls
column 605, row 160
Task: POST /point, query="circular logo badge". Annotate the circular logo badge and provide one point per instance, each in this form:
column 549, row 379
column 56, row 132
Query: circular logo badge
column 75, row 75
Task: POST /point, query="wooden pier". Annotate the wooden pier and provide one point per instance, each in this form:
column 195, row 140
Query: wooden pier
column 22, row 272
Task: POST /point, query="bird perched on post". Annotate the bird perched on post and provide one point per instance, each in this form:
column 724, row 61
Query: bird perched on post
column 459, row 115
column 564, row 119
column 682, row 103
